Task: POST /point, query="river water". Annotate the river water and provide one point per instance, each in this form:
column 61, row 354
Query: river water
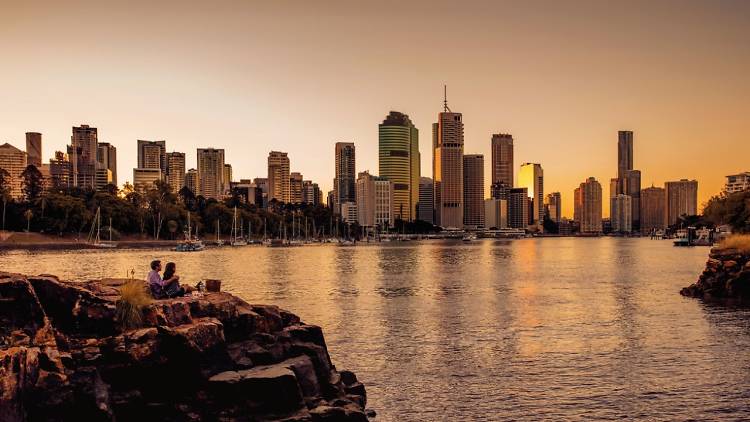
column 534, row 329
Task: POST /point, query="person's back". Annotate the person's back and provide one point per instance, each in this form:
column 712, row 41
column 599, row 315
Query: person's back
column 155, row 282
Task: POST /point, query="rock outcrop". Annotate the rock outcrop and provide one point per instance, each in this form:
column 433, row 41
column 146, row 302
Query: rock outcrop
column 726, row 277
column 214, row 357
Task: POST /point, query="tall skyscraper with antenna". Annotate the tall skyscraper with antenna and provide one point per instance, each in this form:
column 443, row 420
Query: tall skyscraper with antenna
column 447, row 167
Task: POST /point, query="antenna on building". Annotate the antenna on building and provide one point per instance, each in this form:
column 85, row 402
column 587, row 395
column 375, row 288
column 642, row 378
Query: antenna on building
column 445, row 99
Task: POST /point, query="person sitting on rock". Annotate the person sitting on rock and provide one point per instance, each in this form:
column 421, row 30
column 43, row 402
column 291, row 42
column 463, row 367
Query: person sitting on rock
column 162, row 288
column 172, row 287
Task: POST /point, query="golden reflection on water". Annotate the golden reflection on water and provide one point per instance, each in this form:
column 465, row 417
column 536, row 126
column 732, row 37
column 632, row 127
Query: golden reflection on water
column 556, row 328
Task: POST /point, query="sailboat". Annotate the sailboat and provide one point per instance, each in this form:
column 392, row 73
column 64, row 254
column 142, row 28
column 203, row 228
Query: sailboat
column 219, row 242
column 96, row 227
column 235, row 239
column 191, row 243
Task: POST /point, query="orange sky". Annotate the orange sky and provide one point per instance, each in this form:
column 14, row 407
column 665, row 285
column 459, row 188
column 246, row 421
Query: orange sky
column 562, row 77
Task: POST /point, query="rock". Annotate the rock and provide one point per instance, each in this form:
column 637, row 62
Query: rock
column 215, row 357
column 726, row 278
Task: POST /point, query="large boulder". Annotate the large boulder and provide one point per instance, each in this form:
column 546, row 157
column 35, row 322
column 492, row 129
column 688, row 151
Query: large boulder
column 726, row 277
column 63, row 356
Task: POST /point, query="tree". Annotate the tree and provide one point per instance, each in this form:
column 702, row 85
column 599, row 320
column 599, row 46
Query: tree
column 172, row 226
column 732, row 209
column 4, row 191
column 28, row 215
column 33, row 183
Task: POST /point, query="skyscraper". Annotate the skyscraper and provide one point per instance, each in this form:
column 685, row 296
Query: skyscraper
column 473, row 191
column 624, row 153
column 554, row 207
column 295, row 188
column 531, row 177
column 82, row 154
column 652, row 209
column 589, row 205
column 210, row 172
column 311, row 193
column 144, row 179
column 34, row 149
column 176, row 170
column 106, row 157
column 448, row 168
column 262, row 184
column 191, row 180
column 278, row 177
column 61, row 171
column 344, row 179
column 518, row 208
column 152, row 155
column 425, row 211
column 495, row 213
column 13, row 161
column 620, row 214
column 398, row 145
column 226, row 178
column 681, row 199
column 628, row 181
column 502, row 158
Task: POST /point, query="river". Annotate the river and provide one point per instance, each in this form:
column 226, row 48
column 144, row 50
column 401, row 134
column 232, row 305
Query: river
column 540, row 329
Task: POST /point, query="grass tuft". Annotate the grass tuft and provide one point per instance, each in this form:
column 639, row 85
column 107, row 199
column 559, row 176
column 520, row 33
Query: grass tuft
column 736, row 241
column 134, row 297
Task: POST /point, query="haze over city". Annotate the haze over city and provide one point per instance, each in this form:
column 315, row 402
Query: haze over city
column 298, row 77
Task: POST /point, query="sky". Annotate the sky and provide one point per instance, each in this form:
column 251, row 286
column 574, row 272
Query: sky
column 297, row 76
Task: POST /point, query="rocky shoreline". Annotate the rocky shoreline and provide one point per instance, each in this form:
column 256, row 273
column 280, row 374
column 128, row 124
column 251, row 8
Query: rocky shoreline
column 215, row 357
column 726, row 277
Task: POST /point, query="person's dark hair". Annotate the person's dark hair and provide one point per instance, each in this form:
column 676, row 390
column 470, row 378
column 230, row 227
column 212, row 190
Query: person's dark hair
column 155, row 263
column 169, row 270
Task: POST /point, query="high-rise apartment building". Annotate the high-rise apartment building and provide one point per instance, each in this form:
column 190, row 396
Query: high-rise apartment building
column 14, row 162
column 399, row 162
column 473, row 191
column 344, row 179
column 502, row 159
column 578, row 205
column 103, row 178
column 448, row 168
column 211, row 172
column 106, row 157
column 145, row 179
column 518, row 208
column 227, row 178
column 737, row 182
column 262, row 184
column 620, row 215
column 681, row 199
column 652, row 209
column 61, row 171
column 589, row 206
column 531, row 177
column 34, row 149
column 152, row 155
column 278, row 177
column 311, row 193
column 82, row 154
column 295, row 187
column 554, row 207
column 425, row 211
column 495, row 213
column 192, row 181
column 176, row 170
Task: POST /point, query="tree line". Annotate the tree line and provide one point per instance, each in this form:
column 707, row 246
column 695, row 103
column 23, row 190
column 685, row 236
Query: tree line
column 160, row 213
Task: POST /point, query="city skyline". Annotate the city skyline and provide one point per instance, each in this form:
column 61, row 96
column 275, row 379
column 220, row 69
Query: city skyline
column 562, row 104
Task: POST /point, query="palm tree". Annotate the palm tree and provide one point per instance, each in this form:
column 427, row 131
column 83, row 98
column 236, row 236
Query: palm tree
column 28, row 214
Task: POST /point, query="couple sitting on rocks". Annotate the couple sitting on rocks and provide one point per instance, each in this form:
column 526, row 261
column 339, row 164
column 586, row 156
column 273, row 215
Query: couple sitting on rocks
column 169, row 286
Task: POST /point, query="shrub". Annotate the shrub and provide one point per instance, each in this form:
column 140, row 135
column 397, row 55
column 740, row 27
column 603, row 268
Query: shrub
column 134, row 297
column 737, row 241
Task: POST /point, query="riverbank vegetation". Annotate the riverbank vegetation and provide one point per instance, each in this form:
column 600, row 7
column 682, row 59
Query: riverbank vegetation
column 732, row 209
column 160, row 213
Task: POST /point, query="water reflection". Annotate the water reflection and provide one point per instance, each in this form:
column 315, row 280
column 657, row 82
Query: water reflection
column 554, row 329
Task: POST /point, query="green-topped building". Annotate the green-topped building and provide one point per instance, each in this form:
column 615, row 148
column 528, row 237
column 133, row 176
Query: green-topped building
column 399, row 162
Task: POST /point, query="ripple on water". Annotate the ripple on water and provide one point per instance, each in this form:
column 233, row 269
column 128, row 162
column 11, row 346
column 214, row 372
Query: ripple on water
column 534, row 329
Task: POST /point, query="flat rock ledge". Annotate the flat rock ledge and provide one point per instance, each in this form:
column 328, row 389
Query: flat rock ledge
column 213, row 358
column 725, row 279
